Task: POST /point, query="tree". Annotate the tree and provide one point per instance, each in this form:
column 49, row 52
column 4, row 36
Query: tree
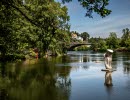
column 7, row 30
column 31, row 24
column 85, row 36
column 60, row 42
column 91, row 6
column 98, row 44
column 112, row 41
column 102, row 45
column 125, row 37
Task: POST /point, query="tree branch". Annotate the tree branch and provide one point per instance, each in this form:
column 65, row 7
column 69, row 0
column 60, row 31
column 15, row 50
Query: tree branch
column 21, row 12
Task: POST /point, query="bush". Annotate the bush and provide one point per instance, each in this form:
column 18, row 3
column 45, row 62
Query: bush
column 12, row 57
column 81, row 48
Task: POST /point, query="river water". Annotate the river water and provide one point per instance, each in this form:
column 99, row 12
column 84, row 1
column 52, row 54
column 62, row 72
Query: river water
column 76, row 76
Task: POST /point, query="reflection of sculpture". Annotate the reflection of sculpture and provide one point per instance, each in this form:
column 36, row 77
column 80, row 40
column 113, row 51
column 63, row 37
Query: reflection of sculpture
column 108, row 58
column 108, row 79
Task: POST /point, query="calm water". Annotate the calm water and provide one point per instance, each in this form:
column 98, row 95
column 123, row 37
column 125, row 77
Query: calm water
column 77, row 76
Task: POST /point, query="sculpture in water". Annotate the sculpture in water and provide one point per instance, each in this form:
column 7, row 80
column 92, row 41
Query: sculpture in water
column 108, row 59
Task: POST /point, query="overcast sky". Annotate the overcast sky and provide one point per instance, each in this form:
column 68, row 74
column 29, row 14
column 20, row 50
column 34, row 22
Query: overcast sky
column 97, row 26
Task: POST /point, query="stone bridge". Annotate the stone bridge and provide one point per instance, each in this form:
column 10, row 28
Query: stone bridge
column 73, row 45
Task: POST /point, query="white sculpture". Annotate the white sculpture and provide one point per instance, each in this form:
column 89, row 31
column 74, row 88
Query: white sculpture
column 108, row 59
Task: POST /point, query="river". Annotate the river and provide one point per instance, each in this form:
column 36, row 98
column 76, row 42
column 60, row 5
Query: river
column 76, row 76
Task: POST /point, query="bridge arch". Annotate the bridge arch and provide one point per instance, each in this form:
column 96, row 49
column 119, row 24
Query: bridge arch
column 72, row 46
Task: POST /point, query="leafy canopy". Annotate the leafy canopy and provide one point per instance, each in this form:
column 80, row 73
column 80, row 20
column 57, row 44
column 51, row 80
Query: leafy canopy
column 91, row 6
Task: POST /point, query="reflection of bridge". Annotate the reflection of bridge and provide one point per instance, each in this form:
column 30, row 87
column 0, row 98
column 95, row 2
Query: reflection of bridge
column 73, row 45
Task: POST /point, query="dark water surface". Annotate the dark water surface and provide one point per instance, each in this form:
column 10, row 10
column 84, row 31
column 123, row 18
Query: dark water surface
column 77, row 76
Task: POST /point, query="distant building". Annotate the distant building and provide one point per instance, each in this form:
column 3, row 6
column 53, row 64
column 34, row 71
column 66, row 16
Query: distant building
column 74, row 36
column 79, row 38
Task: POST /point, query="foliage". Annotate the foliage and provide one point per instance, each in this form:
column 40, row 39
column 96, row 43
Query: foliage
column 28, row 24
column 13, row 57
column 59, row 44
column 127, row 43
column 95, row 43
column 7, row 35
column 112, row 41
column 125, row 37
column 85, row 36
column 43, row 24
column 75, row 32
column 98, row 44
column 81, row 48
column 102, row 45
column 91, row 6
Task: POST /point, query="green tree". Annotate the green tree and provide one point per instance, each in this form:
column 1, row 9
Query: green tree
column 85, row 36
column 59, row 44
column 91, row 6
column 98, row 44
column 127, row 43
column 112, row 41
column 102, row 45
column 95, row 44
column 125, row 37
column 7, row 31
column 31, row 24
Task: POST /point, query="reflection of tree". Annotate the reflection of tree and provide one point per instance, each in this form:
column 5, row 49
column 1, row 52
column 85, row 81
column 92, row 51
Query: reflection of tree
column 127, row 68
column 63, row 81
column 2, row 70
column 3, row 94
column 35, row 82
column 128, row 84
column 3, row 82
column 86, row 59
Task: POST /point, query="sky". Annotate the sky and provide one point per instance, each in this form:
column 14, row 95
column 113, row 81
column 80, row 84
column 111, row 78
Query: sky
column 97, row 26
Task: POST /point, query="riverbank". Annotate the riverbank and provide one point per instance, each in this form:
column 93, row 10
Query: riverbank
column 12, row 57
column 122, row 49
column 33, row 55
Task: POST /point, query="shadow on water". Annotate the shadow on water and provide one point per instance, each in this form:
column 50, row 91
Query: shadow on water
column 38, row 81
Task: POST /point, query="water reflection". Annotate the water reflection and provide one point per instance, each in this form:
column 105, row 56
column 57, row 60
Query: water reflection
column 108, row 79
column 127, row 67
column 86, row 56
column 66, row 78
column 3, row 94
column 41, row 80
column 3, row 82
column 108, row 83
